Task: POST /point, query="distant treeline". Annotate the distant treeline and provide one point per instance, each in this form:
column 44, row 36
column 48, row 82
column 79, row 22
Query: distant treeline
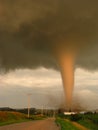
column 33, row 111
column 23, row 110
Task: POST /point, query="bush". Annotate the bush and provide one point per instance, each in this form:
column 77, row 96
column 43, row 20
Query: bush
column 76, row 117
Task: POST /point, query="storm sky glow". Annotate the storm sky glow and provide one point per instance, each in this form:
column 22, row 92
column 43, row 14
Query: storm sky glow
column 46, row 85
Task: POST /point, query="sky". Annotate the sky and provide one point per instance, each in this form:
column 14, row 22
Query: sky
column 41, row 38
column 46, row 88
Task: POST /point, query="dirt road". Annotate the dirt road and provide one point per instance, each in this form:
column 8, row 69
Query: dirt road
column 47, row 124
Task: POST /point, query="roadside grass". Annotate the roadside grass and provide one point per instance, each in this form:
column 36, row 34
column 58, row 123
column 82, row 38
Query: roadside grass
column 7, row 117
column 88, row 124
column 12, row 117
column 65, row 125
column 88, row 120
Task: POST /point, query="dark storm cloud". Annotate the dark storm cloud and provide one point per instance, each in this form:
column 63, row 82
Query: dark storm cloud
column 31, row 29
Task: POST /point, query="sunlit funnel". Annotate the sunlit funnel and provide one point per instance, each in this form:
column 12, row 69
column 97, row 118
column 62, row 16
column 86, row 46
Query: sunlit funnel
column 66, row 64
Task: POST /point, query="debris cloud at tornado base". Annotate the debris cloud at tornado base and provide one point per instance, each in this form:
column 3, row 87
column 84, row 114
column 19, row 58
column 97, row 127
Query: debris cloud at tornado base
column 59, row 34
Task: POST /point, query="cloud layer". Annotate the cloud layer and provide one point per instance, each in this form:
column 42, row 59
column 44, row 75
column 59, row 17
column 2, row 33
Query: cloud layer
column 30, row 31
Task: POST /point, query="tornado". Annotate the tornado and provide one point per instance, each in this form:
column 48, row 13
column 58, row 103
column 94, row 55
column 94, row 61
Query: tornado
column 66, row 61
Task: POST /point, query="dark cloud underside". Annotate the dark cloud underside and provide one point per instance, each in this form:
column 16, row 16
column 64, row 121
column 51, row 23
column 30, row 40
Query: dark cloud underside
column 31, row 29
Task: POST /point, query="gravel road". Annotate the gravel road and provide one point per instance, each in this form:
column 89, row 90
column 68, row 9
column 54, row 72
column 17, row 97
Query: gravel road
column 47, row 124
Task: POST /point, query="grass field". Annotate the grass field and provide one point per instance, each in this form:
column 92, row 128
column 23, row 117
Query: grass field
column 12, row 117
column 16, row 117
column 88, row 120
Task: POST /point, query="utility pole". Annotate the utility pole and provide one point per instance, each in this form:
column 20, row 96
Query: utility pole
column 29, row 94
column 42, row 111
